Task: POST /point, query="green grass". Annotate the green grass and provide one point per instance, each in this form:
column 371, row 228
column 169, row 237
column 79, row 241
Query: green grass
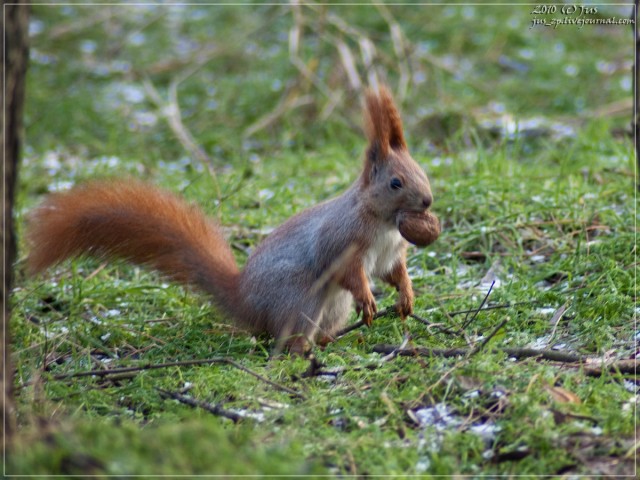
column 550, row 219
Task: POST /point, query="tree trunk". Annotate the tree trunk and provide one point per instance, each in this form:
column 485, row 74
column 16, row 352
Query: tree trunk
column 635, row 71
column 15, row 36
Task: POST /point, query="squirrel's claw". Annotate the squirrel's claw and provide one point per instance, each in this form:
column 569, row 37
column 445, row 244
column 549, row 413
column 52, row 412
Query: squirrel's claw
column 404, row 306
column 368, row 309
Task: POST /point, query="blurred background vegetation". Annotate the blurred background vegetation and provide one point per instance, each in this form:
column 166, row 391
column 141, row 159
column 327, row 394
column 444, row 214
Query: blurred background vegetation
column 251, row 80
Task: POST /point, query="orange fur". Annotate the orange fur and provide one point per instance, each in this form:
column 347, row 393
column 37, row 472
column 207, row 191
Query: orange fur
column 398, row 277
column 352, row 277
column 383, row 124
column 139, row 223
column 383, row 127
column 376, row 125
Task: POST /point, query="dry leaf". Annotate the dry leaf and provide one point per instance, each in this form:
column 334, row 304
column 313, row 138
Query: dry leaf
column 562, row 395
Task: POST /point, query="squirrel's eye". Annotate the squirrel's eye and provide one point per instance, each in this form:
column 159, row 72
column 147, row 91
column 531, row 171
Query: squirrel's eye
column 395, row 184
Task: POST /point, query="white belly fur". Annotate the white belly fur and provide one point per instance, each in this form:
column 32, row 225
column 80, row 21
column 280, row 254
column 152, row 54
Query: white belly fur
column 383, row 253
column 378, row 260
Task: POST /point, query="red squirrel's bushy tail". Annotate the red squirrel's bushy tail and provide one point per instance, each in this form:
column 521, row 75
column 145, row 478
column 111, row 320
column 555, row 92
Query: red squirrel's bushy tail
column 139, row 223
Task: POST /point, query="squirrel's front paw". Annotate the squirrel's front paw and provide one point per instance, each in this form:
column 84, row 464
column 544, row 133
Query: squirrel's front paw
column 404, row 306
column 368, row 308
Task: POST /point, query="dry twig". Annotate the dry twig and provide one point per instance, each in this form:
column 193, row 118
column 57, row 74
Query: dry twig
column 211, row 408
column 492, row 307
column 518, row 353
column 287, row 103
column 477, row 311
column 587, row 363
column 431, row 325
column 488, row 338
column 171, row 112
column 360, row 323
column 80, row 23
column 183, row 363
column 399, row 46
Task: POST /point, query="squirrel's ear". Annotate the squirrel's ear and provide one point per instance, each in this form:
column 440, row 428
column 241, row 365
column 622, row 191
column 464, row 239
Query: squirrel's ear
column 382, row 121
column 373, row 159
column 394, row 122
column 376, row 127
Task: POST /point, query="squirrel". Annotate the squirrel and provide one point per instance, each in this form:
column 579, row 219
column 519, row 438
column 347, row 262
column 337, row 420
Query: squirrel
column 300, row 282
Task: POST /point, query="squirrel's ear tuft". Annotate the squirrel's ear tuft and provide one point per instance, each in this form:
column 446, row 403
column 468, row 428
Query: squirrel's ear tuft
column 376, row 125
column 394, row 122
column 382, row 121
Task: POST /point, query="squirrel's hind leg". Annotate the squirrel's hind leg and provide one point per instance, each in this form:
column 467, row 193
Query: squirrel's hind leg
column 334, row 316
column 321, row 326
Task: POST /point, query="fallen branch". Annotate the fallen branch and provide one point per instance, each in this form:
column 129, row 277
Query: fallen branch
column 184, row 363
column 621, row 366
column 394, row 353
column 488, row 338
column 137, row 368
column 455, row 352
column 588, row 363
column 211, row 408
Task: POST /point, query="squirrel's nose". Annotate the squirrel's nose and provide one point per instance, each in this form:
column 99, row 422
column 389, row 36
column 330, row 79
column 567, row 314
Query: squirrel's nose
column 427, row 200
